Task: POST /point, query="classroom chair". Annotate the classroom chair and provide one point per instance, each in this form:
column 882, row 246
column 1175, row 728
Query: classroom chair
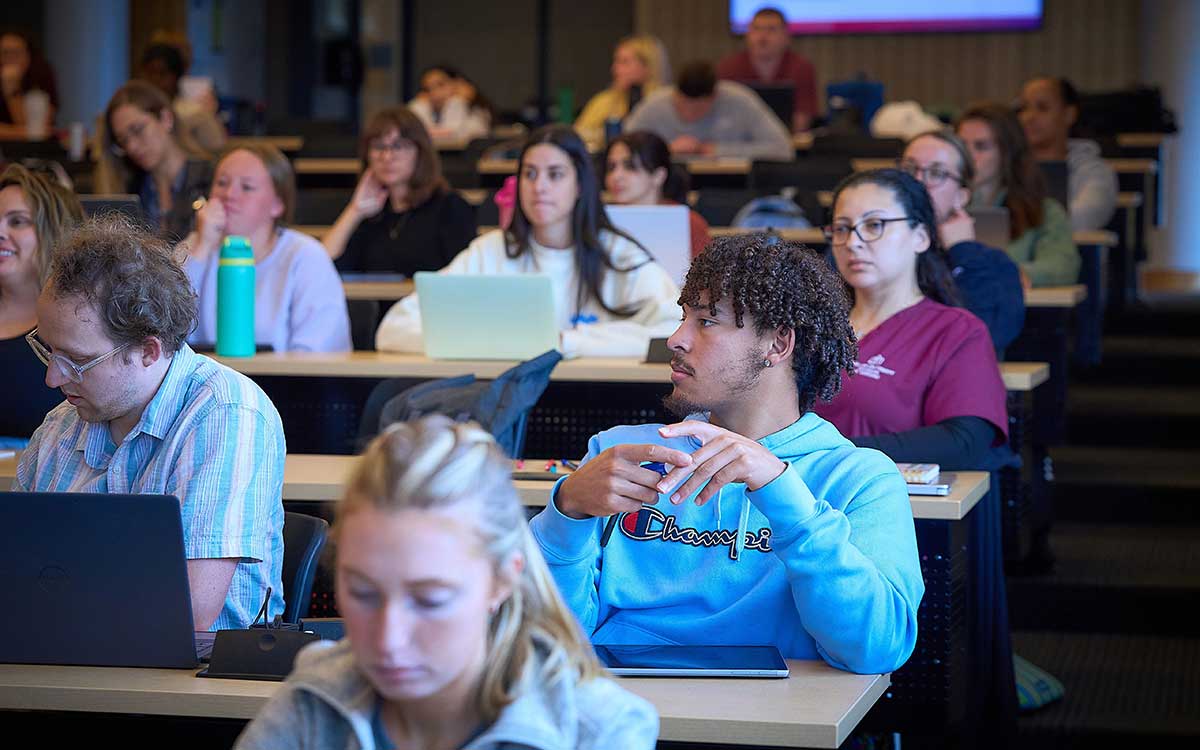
column 303, row 538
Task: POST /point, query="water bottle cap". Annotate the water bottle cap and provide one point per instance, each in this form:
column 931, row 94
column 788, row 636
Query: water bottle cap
column 236, row 247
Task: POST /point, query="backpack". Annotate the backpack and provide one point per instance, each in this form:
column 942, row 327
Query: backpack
column 771, row 212
column 500, row 406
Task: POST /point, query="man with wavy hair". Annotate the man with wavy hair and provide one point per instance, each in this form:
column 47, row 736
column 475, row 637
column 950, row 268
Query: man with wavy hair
column 145, row 414
column 752, row 521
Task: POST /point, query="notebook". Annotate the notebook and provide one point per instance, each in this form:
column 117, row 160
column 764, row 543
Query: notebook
column 991, row 225
column 665, row 231
column 95, row 579
column 479, row 316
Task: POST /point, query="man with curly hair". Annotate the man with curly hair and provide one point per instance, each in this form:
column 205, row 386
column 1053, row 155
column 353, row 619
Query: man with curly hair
column 144, row 414
column 764, row 525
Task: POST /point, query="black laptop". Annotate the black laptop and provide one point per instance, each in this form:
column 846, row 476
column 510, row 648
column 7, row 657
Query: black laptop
column 1055, row 174
column 781, row 98
column 95, row 579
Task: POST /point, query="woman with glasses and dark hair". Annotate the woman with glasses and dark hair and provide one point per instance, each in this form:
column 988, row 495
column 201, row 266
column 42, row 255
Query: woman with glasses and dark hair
column 611, row 297
column 987, row 279
column 638, row 172
column 143, row 155
column 35, row 214
column 927, row 386
column 403, row 217
column 1007, row 175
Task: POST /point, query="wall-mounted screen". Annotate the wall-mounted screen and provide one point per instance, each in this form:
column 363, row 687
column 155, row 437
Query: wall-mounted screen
column 894, row 16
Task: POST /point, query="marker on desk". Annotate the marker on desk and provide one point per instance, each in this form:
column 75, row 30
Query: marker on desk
column 612, row 520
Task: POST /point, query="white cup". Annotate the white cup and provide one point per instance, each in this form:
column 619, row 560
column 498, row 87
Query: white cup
column 37, row 114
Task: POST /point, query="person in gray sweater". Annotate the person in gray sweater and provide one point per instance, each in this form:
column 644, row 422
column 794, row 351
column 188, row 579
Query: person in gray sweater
column 700, row 116
column 1049, row 108
column 456, row 636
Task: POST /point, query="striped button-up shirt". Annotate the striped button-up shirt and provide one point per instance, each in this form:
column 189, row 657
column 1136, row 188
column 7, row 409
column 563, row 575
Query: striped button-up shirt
column 210, row 437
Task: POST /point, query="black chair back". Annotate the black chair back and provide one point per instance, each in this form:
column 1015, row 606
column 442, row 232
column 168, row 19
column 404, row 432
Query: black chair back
column 303, row 538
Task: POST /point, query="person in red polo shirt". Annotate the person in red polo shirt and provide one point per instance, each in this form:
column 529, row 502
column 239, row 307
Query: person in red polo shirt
column 769, row 59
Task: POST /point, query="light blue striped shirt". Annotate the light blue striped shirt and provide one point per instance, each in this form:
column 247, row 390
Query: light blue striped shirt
column 210, row 437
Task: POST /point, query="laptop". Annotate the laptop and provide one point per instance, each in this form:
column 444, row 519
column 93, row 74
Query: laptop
column 1055, row 175
column 663, row 230
column 692, row 661
column 95, row 579
column 126, row 204
column 479, row 316
column 991, row 225
column 780, row 97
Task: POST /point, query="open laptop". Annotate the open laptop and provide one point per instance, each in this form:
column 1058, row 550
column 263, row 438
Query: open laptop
column 126, row 204
column 692, row 661
column 991, row 225
column 663, row 230
column 780, row 97
column 1055, row 174
column 480, row 316
column 95, row 579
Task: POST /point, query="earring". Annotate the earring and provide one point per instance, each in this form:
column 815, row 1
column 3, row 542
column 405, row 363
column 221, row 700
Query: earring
column 766, row 363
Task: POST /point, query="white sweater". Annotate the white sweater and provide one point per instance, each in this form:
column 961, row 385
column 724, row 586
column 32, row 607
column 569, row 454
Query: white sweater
column 647, row 289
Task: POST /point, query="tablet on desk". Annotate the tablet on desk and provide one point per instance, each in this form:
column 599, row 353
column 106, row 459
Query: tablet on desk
column 693, row 661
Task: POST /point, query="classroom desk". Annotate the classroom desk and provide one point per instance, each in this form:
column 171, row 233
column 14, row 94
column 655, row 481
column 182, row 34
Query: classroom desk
column 1018, row 376
column 1140, row 140
column 1056, row 296
column 326, row 166
column 387, row 291
column 285, row 143
column 817, row 706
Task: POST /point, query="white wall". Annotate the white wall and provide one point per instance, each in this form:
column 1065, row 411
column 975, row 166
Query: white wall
column 1171, row 59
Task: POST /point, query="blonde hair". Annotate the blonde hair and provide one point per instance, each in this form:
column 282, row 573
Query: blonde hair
column 433, row 464
column 653, row 54
column 53, row 209
column 279, row 169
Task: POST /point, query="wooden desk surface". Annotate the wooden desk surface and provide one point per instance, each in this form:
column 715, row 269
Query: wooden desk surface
column 818, row 706
column 323, row 165
column 1100, row 237
column 380, row 290
column 1129, row 200
column 315, row 478
column 312, row 230
column 1134, row 166
column 1140, row 140
column 281, row 142
column 1018, row 376
column 1056, row 296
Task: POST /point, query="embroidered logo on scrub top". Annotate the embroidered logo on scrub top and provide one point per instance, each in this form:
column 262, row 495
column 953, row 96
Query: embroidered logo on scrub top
column 873, row 368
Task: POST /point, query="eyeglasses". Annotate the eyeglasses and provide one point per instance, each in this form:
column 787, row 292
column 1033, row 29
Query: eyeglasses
column 868, row 230
column 395, row 147
column 932, row 176
column 66, row 367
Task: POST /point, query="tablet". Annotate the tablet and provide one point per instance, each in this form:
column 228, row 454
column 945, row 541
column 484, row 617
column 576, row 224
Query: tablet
column 693, row 661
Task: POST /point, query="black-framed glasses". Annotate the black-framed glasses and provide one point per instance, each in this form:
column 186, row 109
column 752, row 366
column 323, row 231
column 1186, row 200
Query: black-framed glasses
column 395, row 147
column 66, row 367
column 868, row 230
column 932, row 175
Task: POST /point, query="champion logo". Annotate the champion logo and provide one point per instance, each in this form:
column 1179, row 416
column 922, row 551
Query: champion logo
column 873, row 368
column 650, row 524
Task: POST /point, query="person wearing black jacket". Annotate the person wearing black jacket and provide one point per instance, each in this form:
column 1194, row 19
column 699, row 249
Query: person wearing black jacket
column 988, row 280
column 403, row 217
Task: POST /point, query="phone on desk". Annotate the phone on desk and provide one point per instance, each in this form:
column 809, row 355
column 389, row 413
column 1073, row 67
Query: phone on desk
column 692, row 661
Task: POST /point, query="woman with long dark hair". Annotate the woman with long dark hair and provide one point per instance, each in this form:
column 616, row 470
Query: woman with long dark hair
column 638, row 172
column 927, row 386
column 1006, row 174
column 611, row 297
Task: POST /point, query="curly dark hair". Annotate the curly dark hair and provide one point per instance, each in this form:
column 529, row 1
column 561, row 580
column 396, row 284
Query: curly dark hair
column 130, row 276
column 781, row 284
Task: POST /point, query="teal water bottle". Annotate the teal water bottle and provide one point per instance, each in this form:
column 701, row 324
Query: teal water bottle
column 235, row 298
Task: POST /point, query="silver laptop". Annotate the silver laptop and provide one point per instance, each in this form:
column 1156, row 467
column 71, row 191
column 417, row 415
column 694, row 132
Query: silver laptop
column 472, row 316
column 991, row 225
column 663, row 230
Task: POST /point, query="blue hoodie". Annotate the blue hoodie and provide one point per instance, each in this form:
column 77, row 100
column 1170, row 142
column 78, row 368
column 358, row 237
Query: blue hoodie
column 829, row 566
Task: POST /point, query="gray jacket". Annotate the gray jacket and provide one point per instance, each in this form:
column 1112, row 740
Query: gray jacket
column 1091, row 186
column 739, row 123
column 327, row 703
